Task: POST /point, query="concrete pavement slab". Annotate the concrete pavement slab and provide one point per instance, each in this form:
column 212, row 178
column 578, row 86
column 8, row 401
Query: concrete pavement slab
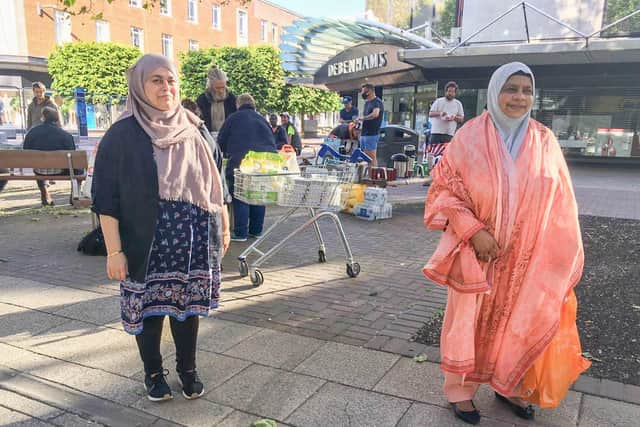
column 597, row 412
column 242, row 419
column 270, row 392
column 218, row 335
column 415, row 381
column 27, row 406
column 348, row 365
column 197, row 413
column 17, row 419
column 101, row 311
column 72, row 420
column 420, row 415
column 565, row 415
column 339, row 405
column 19, row 323
column 38, row 295
column 277, row 349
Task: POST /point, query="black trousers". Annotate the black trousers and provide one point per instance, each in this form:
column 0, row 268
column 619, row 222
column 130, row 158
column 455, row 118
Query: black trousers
column 439, row 138
column 185, row 335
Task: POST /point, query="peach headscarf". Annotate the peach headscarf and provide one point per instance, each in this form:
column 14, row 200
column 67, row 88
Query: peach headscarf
column 186, row 169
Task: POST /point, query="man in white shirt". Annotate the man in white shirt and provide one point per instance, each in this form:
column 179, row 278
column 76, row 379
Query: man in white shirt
column 445, row 114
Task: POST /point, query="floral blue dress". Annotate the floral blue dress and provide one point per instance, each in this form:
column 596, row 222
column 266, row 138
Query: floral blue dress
column 183, row 274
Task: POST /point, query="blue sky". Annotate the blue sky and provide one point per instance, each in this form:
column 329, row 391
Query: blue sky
column 324, row 8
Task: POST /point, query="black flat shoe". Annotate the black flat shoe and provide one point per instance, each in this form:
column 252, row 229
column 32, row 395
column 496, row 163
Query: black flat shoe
column 526, row 413
column 469, row 417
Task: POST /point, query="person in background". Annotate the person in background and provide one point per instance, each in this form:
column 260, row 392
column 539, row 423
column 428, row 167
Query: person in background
column 371, row 122
column 279, row 133
column 39, row 101
column 445, row 114
column 159, row 196
column 349, row 113
column 244, row 131
column 217, row 102
column 191, row 106
column 510, row 255
column 48, row 136
column 349, row 134
column 293, row 137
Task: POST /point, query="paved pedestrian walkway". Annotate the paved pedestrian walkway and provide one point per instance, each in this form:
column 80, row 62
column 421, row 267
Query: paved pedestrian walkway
column 310, row 347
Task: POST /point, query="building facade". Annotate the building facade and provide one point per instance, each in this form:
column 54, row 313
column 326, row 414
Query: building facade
column 31, row 29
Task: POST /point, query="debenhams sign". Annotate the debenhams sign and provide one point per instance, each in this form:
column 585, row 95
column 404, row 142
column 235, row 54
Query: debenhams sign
column 354, row 65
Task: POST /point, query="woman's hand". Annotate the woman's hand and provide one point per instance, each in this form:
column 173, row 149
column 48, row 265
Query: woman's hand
column 117, row 268
column 485, row 246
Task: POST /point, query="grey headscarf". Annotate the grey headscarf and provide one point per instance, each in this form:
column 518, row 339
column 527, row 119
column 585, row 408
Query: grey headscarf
column 512, row 131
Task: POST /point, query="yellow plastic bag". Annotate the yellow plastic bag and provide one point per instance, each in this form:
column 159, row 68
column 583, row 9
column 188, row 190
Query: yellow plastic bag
column 548, row 380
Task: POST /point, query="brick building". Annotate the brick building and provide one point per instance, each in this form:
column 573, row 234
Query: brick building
column 32, row 28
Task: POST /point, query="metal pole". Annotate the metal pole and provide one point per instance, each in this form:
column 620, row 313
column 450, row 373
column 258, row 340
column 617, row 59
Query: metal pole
column 613, row 24
column 526, row 24
column 557, row 21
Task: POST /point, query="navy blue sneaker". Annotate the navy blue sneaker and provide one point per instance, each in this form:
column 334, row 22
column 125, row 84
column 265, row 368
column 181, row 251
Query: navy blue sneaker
column 157, row 388
column 236, row 238
column 192, row 387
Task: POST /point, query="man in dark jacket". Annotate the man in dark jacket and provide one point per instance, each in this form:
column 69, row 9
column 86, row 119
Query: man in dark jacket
column 278, row 131
column 217, row 102
column 245, row 131
column 48, row 136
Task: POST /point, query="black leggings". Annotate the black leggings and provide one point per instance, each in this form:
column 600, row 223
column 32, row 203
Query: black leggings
column 185, row 335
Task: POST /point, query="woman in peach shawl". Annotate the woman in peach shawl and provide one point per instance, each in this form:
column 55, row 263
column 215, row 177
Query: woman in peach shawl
column 511, row 251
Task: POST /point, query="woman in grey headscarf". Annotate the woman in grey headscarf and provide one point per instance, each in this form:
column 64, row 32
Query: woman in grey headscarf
column 159, row 195
column 510, row 255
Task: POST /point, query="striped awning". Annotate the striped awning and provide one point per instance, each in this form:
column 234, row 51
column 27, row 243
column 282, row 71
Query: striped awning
column 311, row 42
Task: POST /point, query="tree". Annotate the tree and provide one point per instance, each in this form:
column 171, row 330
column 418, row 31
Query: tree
column 258, row 71
column 398, row 12
column 447, row 18
column 617, row 9
column 99, row 68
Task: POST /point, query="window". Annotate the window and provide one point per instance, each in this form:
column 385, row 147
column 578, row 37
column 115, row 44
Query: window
column 263, row 30
column 165, row 7
column 194, row 45
column 243, row 30
column 274, row 33
column 192, row 10
column 63, row 27
column 167, row 45
column 137, row 38
column 102, row 31
column 135, row 3
column 216, row 17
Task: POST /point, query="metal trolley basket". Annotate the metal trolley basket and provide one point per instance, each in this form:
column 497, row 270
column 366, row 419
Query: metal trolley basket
column 318, row 190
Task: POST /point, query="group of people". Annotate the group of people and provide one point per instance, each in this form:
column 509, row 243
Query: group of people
column 501, row 194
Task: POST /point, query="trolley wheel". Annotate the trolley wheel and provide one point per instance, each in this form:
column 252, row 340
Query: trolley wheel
column 257, row 278
column 353, row 269
column 322, row 257
column 243, row 268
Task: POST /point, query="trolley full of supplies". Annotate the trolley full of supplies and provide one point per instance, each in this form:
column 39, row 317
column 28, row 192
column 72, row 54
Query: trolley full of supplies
column 318, row 190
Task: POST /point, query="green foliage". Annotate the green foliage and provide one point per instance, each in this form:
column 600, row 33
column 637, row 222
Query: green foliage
column 99, row 68
column 254, row 70
column 447, row 18
column 398, row 12
column 617, row 9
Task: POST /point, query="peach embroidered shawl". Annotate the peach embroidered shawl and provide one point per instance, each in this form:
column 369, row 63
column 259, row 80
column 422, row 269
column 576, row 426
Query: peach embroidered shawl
column 501, row 316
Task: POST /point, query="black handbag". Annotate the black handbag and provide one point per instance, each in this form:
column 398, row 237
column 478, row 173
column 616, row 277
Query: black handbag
column 93, row 243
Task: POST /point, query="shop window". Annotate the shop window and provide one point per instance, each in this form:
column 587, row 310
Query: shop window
column 592, row 122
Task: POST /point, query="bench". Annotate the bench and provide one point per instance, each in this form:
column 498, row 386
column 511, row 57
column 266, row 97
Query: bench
column 30, row 159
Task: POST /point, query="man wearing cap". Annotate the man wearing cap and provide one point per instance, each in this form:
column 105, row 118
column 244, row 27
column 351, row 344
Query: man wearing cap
column 217, row 102
column 293, row 137
column 349, row 112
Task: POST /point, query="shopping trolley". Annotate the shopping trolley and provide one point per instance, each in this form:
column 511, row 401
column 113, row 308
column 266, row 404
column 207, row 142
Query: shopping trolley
column 317, row 189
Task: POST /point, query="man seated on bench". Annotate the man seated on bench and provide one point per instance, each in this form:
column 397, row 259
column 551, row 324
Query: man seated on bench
column 48, row 136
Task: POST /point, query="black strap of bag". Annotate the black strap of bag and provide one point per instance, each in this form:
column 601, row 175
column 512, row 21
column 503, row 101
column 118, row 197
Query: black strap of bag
column 217, row 158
